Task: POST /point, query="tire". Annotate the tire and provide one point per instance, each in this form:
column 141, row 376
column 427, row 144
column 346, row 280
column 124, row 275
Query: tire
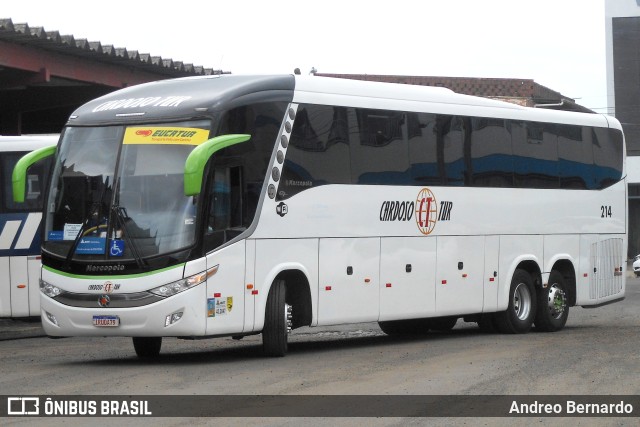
column 553, row 311
column 277, row 321
column 405, row 327
column 147, row 347
column 519, row 315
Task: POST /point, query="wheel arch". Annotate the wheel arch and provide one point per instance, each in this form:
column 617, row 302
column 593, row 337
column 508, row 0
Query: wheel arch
column 528, row 263
column 298, row 294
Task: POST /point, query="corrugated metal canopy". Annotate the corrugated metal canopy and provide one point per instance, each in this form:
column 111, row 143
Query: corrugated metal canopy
column 44, row 75
column 53, row 41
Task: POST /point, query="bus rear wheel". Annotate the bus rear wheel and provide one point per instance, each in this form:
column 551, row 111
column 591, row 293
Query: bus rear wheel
column 553, row 310
column 147, row 347
column 519, row 315
column 277, row 321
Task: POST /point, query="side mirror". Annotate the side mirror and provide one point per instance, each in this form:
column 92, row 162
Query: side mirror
column 197, row 160
column 19, row 175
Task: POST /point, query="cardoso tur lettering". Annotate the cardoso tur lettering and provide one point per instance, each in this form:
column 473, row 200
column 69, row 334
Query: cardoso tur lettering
column 396, row 211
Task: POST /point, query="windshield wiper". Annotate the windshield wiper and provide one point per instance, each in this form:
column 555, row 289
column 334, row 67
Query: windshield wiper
column 76, row 241
column 121, row 218
column 96, row 208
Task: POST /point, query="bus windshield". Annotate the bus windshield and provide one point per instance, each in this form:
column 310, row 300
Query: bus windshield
column 117, row 192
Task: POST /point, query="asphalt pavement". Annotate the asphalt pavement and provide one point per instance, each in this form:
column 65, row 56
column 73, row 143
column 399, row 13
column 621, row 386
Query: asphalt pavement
column 13, row 329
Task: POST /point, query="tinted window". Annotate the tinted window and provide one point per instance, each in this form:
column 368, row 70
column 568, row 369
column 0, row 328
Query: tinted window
column 423, row 149
column 607, row 155
column 575, row 157
column 236, row 174
column 491, row 153
column 451, row 146
column 338, row 145
column 246, row 164
column 535, row 151
column 318, row 151
column 382, row 155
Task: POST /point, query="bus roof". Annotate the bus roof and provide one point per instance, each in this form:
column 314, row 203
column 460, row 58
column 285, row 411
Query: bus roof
column 183, row 98
column 27, row 142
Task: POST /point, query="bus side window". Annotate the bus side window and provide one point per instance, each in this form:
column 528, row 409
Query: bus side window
column 225, row 199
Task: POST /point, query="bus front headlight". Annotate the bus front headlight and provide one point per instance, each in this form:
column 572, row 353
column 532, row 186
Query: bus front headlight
column 183, row 284
column 49, row 290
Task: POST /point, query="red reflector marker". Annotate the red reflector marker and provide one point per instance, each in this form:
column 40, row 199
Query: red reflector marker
column 444, row 282
column 388, row 285
column 491, row 279
column 217, row 295
column 327, row 288
column 254, row 292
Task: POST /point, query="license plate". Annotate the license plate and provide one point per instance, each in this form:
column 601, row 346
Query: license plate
column 106, row 321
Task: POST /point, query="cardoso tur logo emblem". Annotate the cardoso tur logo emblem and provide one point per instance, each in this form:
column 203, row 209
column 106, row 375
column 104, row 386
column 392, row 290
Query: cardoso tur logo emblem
column 426, row 211
column 425, row 208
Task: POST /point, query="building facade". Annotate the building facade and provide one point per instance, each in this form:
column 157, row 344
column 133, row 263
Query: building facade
column 622, row 28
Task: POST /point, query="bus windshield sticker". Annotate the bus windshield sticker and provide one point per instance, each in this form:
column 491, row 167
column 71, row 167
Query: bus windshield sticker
column 71, row 231
column 165, row 135
column 219, row 306
column 91, row 246
column 116, row 248
column 55, row 235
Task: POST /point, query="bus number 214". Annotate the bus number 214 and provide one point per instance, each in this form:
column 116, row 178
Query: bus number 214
column 605, row 211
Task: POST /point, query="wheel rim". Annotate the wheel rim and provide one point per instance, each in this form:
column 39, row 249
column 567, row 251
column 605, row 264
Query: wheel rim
column 522, row 301
column 557, row 301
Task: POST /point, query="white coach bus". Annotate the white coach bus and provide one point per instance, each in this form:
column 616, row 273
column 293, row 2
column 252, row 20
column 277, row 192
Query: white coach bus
column 20, row 228
column 237, row 205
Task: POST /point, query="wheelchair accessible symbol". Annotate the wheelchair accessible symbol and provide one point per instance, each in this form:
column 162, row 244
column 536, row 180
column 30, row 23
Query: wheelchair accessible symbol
column 117, row 248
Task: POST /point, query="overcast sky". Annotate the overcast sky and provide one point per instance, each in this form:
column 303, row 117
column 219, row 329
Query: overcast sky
column 558, row 43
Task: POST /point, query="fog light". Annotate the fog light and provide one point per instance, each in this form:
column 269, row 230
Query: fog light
column 51, row 318
column 172, row 318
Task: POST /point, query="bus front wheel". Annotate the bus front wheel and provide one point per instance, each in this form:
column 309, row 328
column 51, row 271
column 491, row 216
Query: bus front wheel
column 147, row 347
column 277, row 321
column 519, row 315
